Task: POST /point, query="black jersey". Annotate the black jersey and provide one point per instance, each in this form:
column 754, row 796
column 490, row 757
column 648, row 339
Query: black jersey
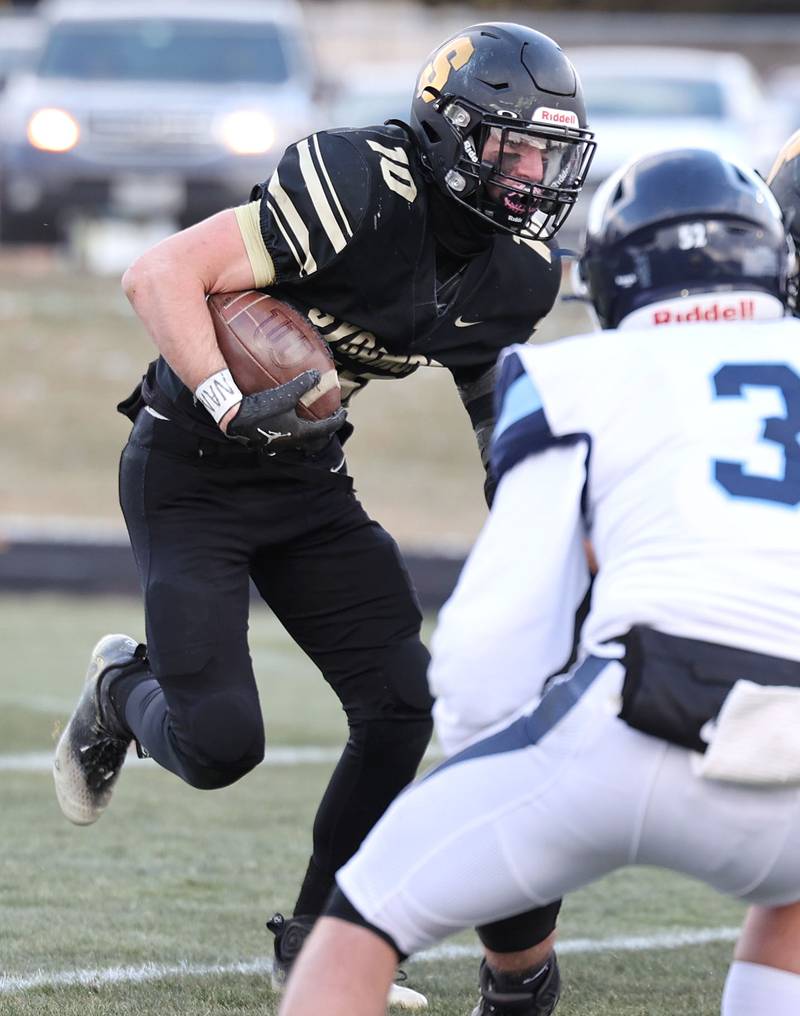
column 345, row 223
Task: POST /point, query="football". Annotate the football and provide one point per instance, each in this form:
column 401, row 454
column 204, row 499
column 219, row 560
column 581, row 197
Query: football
column 266, row 342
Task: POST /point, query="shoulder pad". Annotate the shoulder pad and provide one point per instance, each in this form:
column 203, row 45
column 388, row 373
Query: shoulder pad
column 389, row 139
column 314, row 203
column 395, row 132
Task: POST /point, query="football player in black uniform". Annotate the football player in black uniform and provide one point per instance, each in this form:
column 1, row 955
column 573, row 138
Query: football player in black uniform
column 784, row 182
column 406, row 245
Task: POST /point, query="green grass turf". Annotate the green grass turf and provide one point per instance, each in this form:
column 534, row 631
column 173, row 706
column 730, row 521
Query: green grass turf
column 172, row 875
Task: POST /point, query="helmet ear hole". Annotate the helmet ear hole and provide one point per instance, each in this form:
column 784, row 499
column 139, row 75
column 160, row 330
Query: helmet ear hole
column 431, row 133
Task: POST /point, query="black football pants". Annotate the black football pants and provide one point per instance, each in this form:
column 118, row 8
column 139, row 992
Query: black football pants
column 204, row 518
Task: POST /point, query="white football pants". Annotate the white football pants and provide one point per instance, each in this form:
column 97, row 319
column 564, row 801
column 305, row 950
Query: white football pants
column 554, row 801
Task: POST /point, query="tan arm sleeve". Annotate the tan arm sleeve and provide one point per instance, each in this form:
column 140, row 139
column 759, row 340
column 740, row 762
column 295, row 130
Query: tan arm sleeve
column 248, row 218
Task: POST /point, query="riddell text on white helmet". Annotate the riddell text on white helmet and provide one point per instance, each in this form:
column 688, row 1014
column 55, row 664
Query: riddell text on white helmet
column 741, row 310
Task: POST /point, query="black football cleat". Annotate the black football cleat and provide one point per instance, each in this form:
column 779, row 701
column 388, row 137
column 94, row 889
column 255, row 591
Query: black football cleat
column 540, row 1000
column 92, row 749
column 290, row 933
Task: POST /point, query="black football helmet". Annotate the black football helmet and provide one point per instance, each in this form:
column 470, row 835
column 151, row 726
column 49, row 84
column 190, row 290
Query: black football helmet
column 784, row 182
column 499, row 116
column 678, row 223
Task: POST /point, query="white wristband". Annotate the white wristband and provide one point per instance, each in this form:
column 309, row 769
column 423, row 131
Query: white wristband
column 218, row 393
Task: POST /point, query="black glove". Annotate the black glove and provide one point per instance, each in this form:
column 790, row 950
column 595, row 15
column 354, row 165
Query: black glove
column 268, row 420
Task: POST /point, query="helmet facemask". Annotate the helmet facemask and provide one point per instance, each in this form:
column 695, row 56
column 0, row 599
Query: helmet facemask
column 520, row 175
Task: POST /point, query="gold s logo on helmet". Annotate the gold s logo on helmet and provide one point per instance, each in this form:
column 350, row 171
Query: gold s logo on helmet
column 451, row 57
column 789, row 151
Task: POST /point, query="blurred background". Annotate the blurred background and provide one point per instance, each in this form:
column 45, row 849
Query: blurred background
column 120, row 122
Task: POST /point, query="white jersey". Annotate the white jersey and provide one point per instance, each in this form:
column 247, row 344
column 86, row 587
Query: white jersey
column 677, row 452
column 693, row 476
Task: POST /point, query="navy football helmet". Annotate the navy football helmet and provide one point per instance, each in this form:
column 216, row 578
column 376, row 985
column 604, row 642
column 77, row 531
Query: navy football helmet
column 682, row 222
column 500, row 121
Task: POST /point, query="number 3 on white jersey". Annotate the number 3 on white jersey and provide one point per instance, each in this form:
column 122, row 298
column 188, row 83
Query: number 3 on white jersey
column 730, row 381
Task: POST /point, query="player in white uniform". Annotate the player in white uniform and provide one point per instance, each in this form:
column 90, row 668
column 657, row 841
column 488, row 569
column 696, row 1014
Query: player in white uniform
column 673, row 443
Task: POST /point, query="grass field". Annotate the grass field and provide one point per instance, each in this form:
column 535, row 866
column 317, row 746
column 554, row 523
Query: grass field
column 159, row 908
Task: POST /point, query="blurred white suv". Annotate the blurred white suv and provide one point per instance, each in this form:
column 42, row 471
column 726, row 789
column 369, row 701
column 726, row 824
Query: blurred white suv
column 142, row 109
column 642, row 98
column 20, row 37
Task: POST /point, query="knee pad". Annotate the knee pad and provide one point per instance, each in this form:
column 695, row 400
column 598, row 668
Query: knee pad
column 392, row 745
column 395, row 731
column 405, row 669
column 228, row 728
column 222, row 738
column 214, row 714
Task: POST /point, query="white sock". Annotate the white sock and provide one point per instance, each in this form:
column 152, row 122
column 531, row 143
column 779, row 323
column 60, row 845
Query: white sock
column 751, row 989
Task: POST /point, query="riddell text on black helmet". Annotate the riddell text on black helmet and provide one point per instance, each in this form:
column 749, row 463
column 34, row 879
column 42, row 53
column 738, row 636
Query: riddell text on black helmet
column 499, row 116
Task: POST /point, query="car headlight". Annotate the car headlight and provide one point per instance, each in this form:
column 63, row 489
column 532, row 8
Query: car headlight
column 53, row 130
column 247, row 132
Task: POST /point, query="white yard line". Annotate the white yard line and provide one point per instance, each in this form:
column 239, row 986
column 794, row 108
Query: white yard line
column 42, row 761
column 303, row 755
column 10, row 983
column 38, row 704
column 626, row 943
column 281, row 755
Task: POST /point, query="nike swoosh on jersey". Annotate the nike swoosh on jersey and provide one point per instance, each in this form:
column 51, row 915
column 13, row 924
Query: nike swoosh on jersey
column 461, row 323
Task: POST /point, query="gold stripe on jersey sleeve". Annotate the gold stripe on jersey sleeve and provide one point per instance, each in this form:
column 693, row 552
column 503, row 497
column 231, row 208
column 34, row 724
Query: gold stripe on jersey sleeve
column 319, row 198
column 535, row 245
column 249, row 220
column 790, row 150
